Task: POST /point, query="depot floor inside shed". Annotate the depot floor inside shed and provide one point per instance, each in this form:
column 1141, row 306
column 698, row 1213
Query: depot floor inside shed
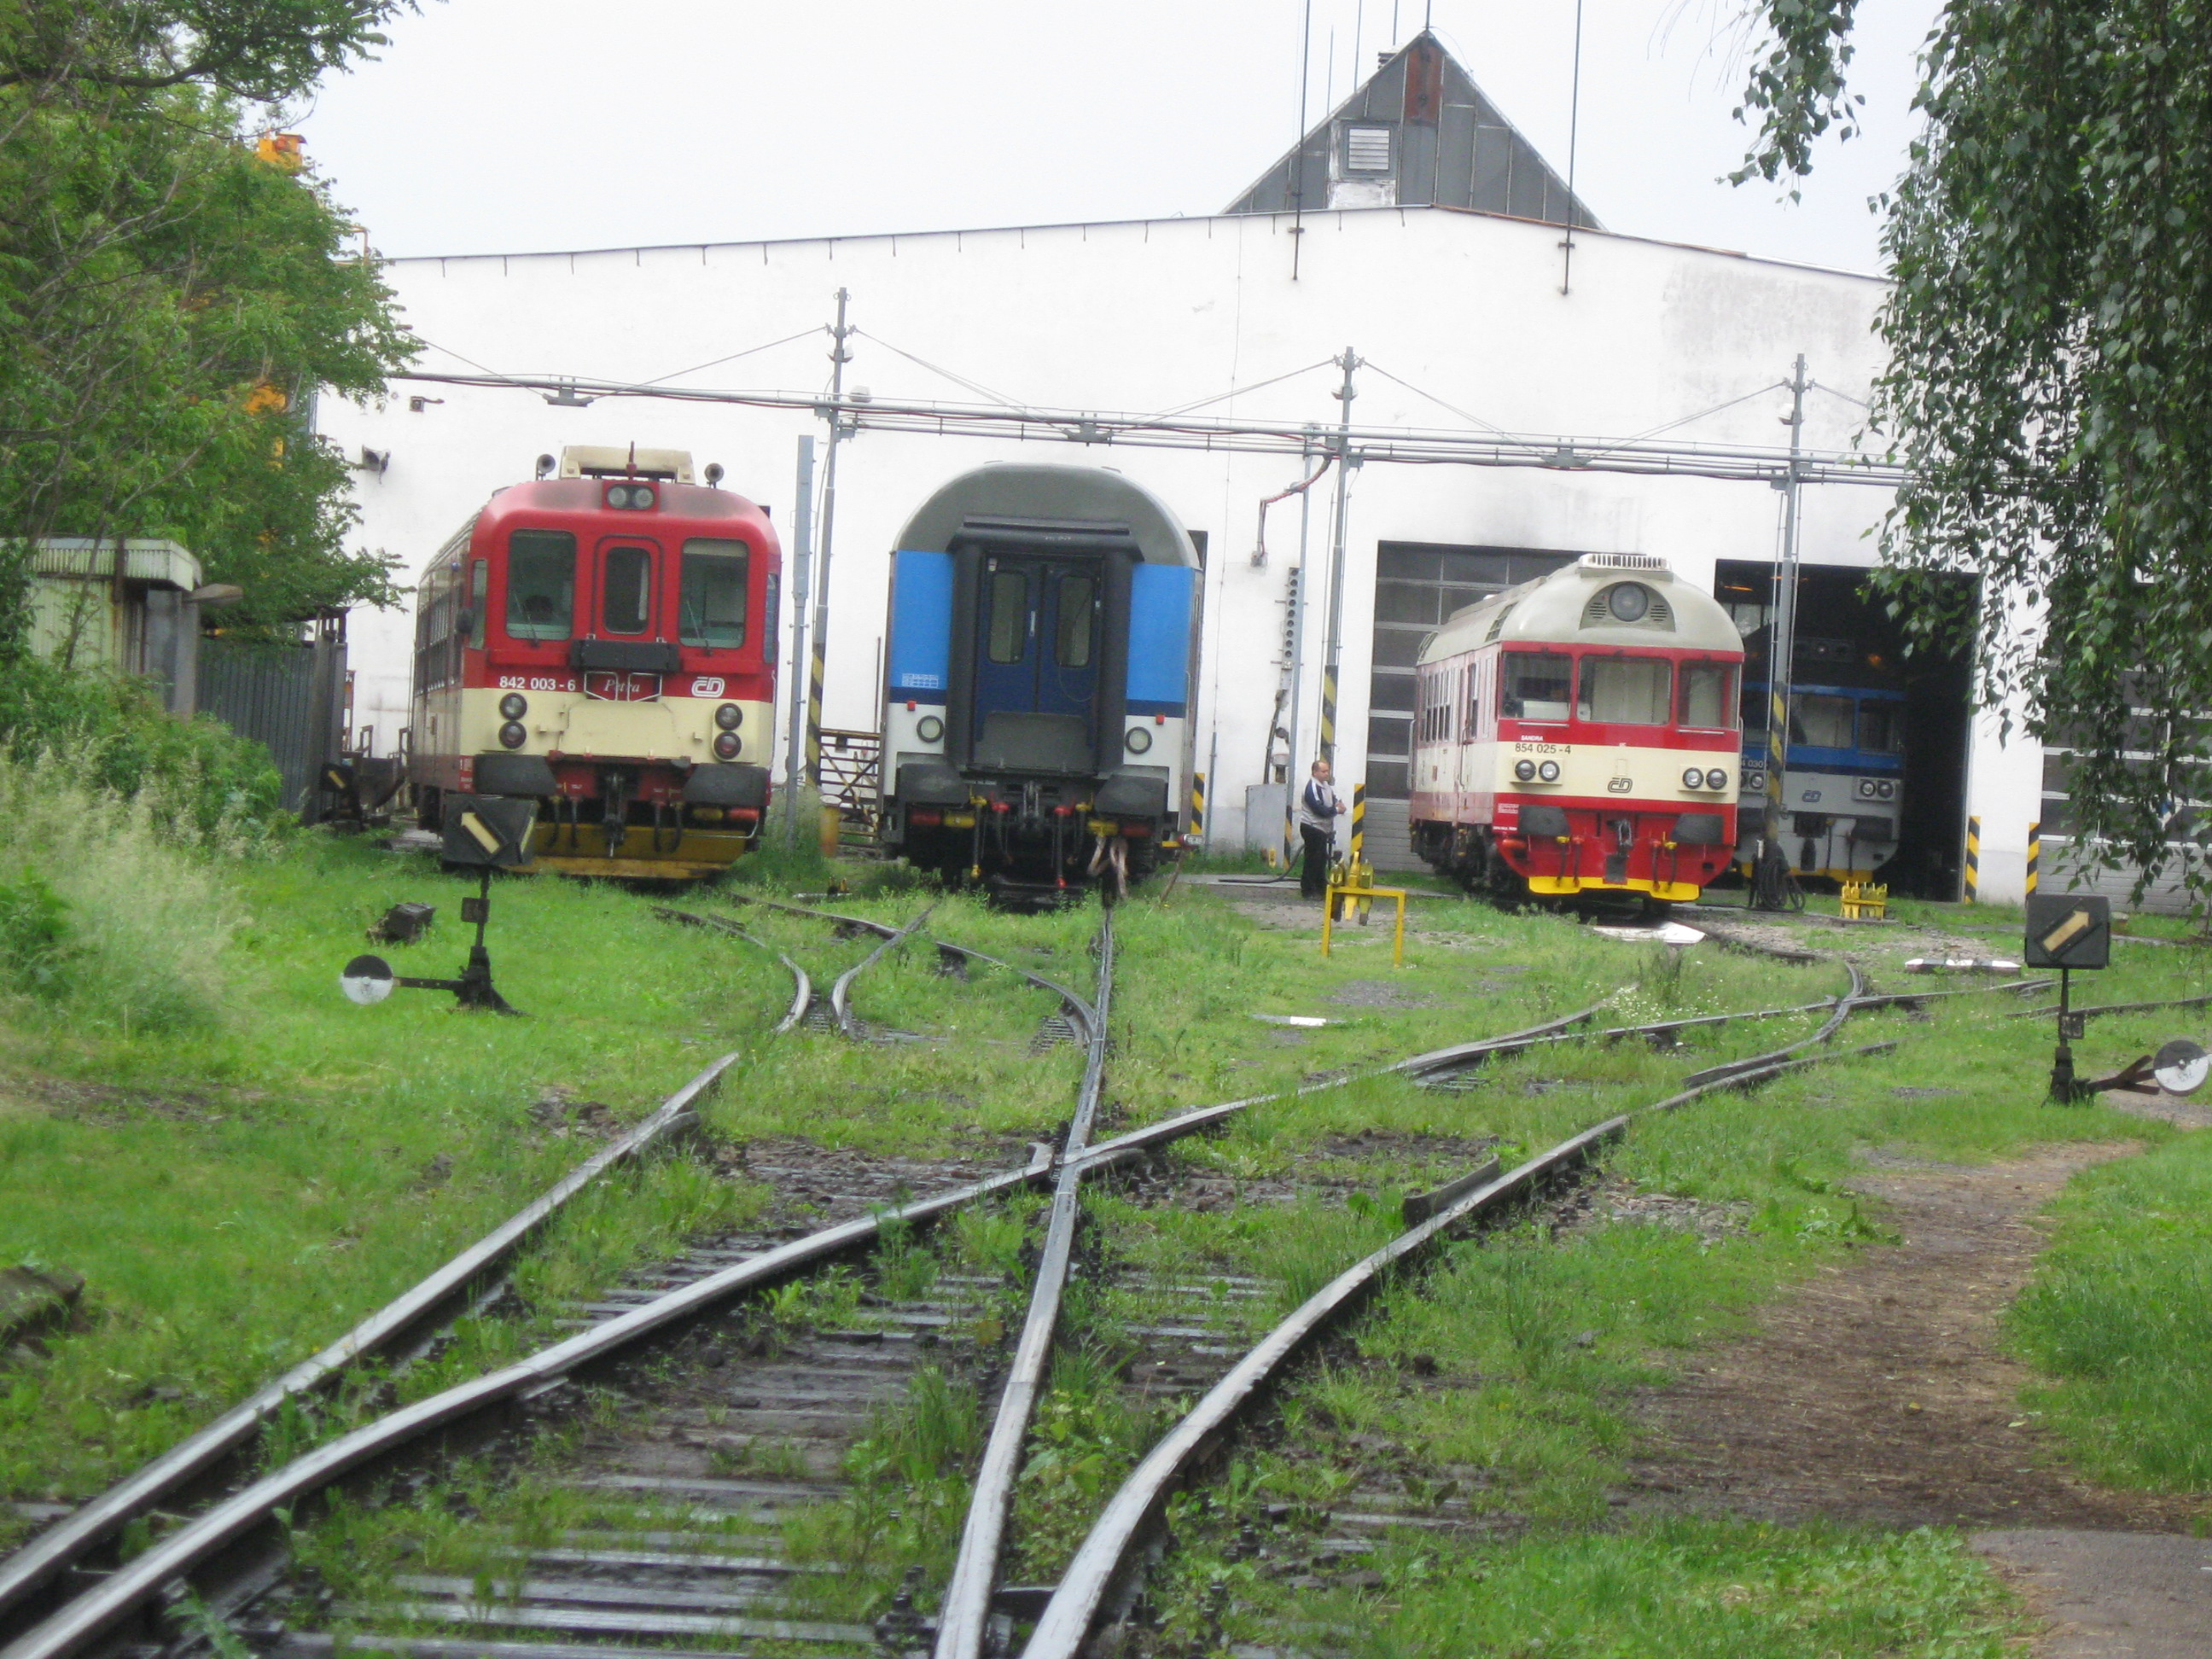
column 235, row 1196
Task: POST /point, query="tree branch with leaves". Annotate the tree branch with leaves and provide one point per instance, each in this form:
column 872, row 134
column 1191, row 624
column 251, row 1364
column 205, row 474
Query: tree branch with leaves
column 2050, row 377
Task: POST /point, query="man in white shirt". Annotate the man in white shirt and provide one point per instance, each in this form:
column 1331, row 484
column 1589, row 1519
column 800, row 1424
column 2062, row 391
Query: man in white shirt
column 1318, row 811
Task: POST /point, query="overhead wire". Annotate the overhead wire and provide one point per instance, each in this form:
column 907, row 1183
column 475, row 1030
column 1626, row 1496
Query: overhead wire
column 750, row 351
column 996, row 396
column 1235, row 391
column 1467, row 416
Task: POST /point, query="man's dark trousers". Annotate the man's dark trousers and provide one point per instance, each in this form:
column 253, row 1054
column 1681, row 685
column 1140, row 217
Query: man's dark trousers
column 1313, row 874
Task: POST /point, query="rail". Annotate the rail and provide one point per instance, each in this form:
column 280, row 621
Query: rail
column 416, row 1313
column 964, row 1618
column 1105, row 1554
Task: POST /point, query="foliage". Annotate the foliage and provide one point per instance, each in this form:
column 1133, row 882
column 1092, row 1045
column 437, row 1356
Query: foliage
column 210, row 781
column 105, row 906
column 171, row 301
column 2049, row 384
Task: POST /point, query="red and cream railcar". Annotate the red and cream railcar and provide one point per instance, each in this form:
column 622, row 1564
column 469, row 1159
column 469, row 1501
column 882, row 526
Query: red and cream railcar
column 1577, row 734
column 602, row 641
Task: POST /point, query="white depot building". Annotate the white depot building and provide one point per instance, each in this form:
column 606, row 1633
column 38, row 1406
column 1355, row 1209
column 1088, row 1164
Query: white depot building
column 1415, row 229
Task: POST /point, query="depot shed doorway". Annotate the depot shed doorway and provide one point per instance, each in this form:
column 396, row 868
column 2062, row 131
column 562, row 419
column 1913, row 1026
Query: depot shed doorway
column 1835, row 614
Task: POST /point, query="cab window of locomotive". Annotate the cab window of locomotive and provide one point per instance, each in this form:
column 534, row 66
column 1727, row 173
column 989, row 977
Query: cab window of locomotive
column 1076, row 594
column 1708, row 693
column 712, row 597
column 541, row 585
column 1879, row 725
column 479, row 587
column 1010, row 616
column 626, row 590
column 1822, row 722
column 1538, row 686
column 1629, row 690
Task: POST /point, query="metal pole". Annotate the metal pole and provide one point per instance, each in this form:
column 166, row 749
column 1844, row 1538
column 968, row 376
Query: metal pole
column 1292, row 752
column 1297, row 179
column 794, row 749
column 1334, row 646
column 1574, row 132
column 838, row 358
column 1782, row 628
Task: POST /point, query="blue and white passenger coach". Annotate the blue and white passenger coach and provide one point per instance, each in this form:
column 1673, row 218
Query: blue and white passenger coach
column 1041, row 648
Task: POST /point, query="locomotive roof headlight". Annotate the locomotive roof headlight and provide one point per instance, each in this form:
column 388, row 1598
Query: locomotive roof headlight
column 1139, row 740
column 726, row 746
column 1693, row 778
column 1524, row 770
column 1889, row 790
column 630, row 495
column 929, row 728
column 1549, row 771
column 513, row 736
column 1715, row 778
column 513, row 706
column 1628, row 601
column 729, row 717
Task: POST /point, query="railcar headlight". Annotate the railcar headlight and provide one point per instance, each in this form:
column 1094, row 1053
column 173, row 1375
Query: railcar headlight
column 513, row 735
column 929, row 728
column 1524, row 770
column 729, row 717
column 1138, row 741
column 726, row 746
column 1755, row 782
column 1866, row 788
column 632, row 496
column 1715, row 778
column 1693, row 778
column 1628, row 602
column 1549, row 771
column 513, row 706
column 1889, row 790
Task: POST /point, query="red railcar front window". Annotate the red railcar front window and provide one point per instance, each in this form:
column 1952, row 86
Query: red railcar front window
column 1626, row 690
column 1538, row 686
column 1708, row 695
column 541, row 585
column 626, row 590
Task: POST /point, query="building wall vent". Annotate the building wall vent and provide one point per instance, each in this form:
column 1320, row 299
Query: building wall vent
column 1367, row 149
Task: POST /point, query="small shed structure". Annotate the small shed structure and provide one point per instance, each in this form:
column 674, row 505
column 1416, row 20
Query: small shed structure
column 132, row 606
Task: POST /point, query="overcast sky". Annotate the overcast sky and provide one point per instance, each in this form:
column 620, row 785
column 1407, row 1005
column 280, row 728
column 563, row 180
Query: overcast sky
column 513, row 125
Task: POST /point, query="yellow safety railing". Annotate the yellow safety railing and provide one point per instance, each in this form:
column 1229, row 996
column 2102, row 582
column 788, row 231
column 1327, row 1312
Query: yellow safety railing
column 1364, row 895
column 1865, row 901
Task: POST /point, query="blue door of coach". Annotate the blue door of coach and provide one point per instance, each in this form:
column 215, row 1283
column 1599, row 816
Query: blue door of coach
column 1036, row 664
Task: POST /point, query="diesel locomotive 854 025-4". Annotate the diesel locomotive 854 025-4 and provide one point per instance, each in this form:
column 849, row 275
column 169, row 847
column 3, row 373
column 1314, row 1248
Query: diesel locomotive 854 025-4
column 1577, row 734
column 1038, row 664
column 602, row 641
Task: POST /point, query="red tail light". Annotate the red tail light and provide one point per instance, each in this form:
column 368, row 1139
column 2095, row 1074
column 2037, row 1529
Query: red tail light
column 1134, row 830
column 925, row 820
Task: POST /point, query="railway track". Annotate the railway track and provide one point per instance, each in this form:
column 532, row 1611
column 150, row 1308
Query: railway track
column 718, row 1466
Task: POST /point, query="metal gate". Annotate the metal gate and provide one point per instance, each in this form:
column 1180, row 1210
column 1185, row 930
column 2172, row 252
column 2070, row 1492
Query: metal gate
column 288, row 696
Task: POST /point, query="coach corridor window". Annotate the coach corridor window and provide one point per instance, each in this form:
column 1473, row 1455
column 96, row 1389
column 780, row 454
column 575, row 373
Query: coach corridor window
column 1538, row 685
column 1626, row 690
column 626, row 590
column 711, row 601
column 541, row 585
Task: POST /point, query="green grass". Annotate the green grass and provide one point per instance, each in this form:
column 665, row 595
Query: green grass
column 2119, row 1317
column 1684, row 1588
column 239, row 1193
